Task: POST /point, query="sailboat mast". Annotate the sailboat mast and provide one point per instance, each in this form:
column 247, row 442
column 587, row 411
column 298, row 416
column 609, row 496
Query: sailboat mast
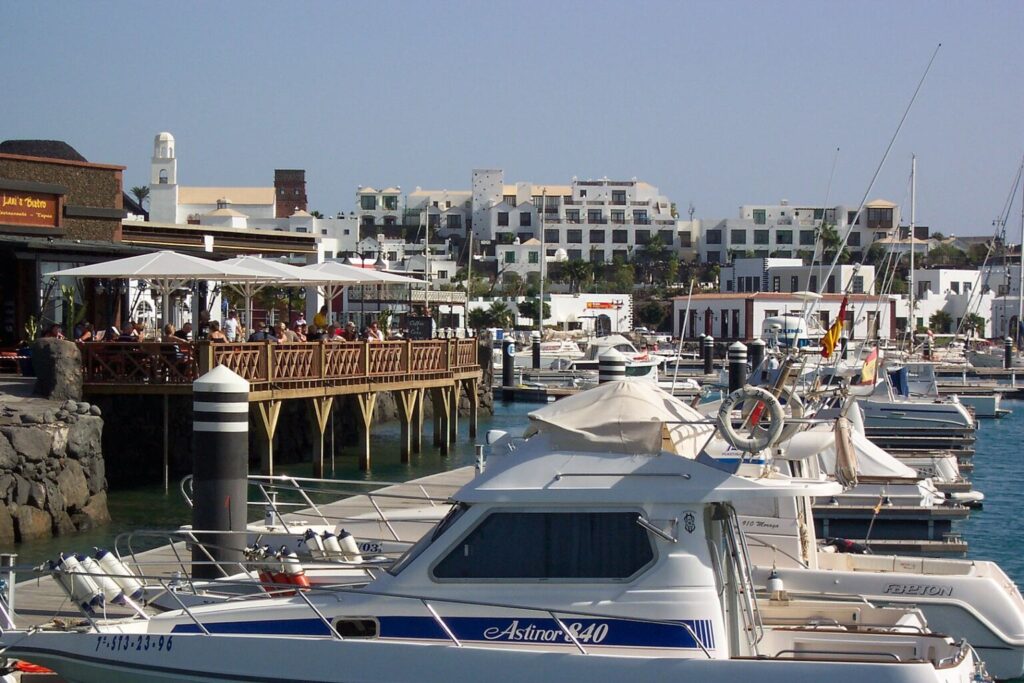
column 1020, row 273
column 913, row 225
column 543, row 259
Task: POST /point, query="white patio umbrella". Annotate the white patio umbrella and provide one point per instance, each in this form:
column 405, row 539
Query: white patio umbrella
column 166, row 270
column 343, row 276
column 278, row 273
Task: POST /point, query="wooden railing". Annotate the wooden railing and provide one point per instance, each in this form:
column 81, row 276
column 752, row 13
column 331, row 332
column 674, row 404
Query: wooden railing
column 137, row 363
column 267, row 365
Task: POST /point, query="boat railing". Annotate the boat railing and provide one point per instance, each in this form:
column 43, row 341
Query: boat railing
column 737, row 544
column 270, row 488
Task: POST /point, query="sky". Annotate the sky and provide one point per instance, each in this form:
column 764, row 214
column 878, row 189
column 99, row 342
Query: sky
column 716, row 103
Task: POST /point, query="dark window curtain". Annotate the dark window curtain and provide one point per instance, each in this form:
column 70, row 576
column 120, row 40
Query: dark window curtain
column 595, row 545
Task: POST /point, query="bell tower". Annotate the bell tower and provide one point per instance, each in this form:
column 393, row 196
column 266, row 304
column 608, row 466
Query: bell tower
column 163, row 181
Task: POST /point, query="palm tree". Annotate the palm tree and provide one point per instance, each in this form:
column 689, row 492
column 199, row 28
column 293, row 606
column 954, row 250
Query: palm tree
column 940, row 322
column 501, row 314
column 577, row 272
column 830, row 243
column 974, row 323
column 141, row 193
column 479, row 319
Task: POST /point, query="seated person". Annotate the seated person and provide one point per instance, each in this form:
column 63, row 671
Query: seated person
column 283, row 334
column 84, row 333
column 216, row 335
column 350, row 333
column 374, row 333
column 262, row 333
column 185, row 333
column 169, row 335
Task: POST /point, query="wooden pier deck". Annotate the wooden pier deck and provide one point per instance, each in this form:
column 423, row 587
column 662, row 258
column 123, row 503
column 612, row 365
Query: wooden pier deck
column 441, row 370
column 40, row 600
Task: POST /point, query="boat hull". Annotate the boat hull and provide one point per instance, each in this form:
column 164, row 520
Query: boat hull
column 90, row 658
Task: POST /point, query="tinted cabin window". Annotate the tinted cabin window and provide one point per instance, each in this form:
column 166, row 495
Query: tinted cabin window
column 550, row 545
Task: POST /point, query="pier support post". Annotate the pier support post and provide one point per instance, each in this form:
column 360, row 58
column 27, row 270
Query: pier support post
column 737, row 366
column 407, row 400
column 1008, row 353
column 708, row 346
column 322, row 410
column 535, row 347
column 474, row 406
column 220, row 468
column 417, row 420
column 269, row 412
column 757, row 358
column 611, row 367
column 454, row 395
column 367, row 402
column 439, row 398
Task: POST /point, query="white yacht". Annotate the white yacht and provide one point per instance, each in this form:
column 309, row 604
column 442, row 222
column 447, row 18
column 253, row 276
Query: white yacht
column 585, row 551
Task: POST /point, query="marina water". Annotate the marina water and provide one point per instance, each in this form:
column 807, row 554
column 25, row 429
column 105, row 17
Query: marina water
column 992, row 533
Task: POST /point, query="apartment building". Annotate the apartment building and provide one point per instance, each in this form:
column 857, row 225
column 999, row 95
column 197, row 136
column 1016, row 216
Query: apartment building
column 787, row 230
column 591, row 220
column 959, row 293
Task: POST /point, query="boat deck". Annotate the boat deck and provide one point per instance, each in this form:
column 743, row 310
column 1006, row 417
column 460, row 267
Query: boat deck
column 40, row 600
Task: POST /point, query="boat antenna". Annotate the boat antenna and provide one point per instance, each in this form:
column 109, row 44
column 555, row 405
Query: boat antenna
column 878, row 169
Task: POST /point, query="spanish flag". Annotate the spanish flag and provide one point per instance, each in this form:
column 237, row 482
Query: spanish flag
column 870, row 370
column 831, row 338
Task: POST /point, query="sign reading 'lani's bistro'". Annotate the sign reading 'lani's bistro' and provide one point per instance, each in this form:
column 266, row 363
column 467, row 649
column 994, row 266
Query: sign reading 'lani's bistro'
column 28, row 208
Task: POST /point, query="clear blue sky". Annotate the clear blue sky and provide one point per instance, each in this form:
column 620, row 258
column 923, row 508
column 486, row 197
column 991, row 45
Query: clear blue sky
column 717, row 103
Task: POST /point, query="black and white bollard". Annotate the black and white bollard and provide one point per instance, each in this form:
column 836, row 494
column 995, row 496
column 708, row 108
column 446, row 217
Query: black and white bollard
column 1007, row 353
column 220, row 469
column 708, row 346
column 535, row 344
column 737, row 366
column 611, row 367
column 508, row 362
column 756, row 348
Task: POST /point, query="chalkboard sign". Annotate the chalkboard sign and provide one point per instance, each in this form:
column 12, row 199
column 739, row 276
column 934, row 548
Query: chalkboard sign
column 420, row 327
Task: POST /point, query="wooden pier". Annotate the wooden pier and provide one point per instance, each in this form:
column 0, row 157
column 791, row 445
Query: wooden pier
column 439, row 370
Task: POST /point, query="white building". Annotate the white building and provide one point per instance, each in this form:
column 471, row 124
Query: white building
column 958, row 293
column 789, row 230
column 596, row 314
column 790, row 275
column 521, row 258
column 739, row 316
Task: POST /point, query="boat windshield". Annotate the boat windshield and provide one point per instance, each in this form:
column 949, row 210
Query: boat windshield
column 419, row 546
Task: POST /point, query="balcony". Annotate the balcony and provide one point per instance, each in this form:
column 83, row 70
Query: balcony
column 641, row 220
column 596, row 202
column 597, row 221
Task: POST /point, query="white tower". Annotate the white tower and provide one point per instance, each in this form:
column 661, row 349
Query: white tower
column 163, row 181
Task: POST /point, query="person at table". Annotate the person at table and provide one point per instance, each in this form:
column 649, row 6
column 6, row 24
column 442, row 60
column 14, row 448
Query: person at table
column 170, row 336
column 262, row 333
column 216, row 335
column 351, row 333
column 84, row 333
column 283, row 334
column 231, row 325
column 128, row 333
column 299, row 330
column 55, row 332
column 374, row 333
column 334, row 334
column 185, row 333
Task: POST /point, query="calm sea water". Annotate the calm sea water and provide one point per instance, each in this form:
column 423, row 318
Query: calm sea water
column 992, row 533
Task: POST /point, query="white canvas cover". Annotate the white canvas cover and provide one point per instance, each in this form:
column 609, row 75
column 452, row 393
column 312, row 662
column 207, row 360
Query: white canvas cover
column 623, row 417
column 872, row 461
column 281, row 272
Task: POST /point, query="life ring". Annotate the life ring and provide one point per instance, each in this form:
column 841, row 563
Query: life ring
column 758, row 440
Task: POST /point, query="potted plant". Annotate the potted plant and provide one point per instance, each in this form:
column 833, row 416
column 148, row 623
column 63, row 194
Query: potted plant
column 31, row 330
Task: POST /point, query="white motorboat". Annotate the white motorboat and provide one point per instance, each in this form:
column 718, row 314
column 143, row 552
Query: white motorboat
column 584, row 552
